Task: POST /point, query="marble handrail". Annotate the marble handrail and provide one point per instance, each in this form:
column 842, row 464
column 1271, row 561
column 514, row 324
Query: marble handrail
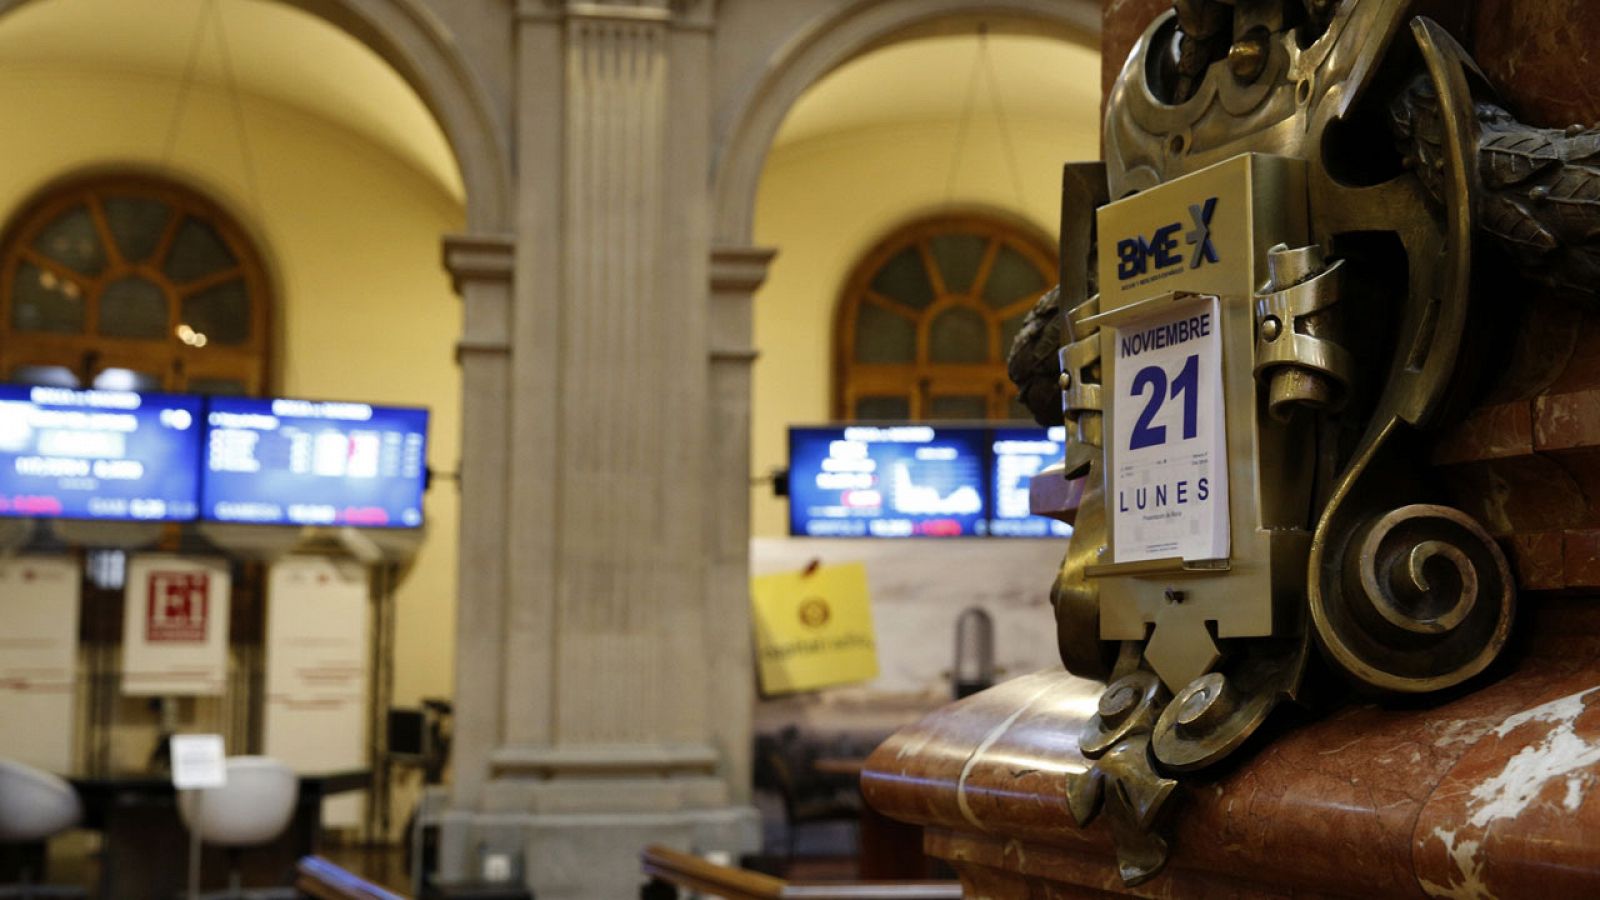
column 1493, row 791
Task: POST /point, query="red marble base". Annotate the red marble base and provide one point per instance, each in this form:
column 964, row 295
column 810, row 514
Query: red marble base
column 1494, row 793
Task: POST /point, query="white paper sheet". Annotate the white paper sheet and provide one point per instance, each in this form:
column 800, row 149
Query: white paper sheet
column 39, row 599
column 317, row 648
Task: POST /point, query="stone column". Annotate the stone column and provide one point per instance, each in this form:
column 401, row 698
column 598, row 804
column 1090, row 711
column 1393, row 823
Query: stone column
column 736, row 274
column 621, row 713
column 481, row 268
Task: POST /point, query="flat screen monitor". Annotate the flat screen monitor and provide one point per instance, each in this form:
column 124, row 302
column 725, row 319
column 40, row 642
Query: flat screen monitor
column 108, row 455
column 308, row 462
column 1016, row 455
column 886, row 481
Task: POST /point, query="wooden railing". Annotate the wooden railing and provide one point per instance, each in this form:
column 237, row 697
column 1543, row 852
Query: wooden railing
column 322, row 880
column 669, row 870
column 666, row 866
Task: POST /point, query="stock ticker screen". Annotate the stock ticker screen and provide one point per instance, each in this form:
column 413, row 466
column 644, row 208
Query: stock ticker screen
column 886, row 481
column 306, row 462
column 1017, row 454
column 109, row 455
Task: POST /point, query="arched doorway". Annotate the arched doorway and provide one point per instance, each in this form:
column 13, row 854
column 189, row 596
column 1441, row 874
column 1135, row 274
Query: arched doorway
column 912, row 167
column 824, row 46
column 865, row 188
column 471, row 205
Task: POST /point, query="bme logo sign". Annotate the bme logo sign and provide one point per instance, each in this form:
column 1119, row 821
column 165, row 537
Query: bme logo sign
column 1138, row 255
column 176, row 606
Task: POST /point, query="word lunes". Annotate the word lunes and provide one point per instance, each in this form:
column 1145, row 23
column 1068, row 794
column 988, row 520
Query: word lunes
column 1179, row 493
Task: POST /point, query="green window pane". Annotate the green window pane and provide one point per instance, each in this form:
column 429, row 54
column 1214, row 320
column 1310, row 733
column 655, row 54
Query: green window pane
column 883, row 337
column 197, row 251
column 1011, row 279
column 44, row 376
column 959, row 335
column 70, row 239
column 220, row 315
column 883, row 409
column 958, row 256
column 229, row 386
column 133, row 307
column 904, row 280
column 136, row 225
column 958, row 407
column 42, row 301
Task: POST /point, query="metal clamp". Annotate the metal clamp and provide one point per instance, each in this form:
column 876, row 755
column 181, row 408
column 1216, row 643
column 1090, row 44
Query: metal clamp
column 1296, row 333
column 1081, row 396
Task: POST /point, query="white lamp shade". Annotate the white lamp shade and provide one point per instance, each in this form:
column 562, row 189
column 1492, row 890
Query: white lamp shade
column 34, row 804
column 253, row 807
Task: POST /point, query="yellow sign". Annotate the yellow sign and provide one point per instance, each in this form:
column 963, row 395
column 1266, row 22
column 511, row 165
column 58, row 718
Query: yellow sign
column 813, row 628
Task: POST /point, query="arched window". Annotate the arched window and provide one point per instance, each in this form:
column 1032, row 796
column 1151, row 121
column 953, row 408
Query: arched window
column 928, row 316
column 135, row 283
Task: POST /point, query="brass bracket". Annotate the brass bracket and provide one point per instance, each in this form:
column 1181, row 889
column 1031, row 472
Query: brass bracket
column 1400, row 595
column 1296, row 323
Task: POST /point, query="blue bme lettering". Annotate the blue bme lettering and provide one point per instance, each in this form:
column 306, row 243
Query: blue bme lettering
column 1138, row 255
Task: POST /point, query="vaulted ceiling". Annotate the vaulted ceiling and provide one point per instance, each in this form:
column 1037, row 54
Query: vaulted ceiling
column 276, row 51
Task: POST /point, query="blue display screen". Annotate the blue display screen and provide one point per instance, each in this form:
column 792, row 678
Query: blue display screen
column 306, row 462
column 1017, row 454
column 112, row 455
column 887, row 481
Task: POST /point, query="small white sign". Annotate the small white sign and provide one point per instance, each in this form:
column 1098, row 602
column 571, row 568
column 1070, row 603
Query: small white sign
column 198, row 761
column 175, row 626
column 1168, row 452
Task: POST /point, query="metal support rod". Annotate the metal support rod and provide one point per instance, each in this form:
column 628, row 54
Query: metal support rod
column 194, row 843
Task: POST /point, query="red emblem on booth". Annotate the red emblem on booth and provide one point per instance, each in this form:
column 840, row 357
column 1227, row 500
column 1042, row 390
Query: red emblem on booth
column 176, row 606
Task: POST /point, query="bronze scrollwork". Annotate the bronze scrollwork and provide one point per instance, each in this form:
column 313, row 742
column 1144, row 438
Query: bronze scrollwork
column 1359, row 336
column 1425, row 601
column 1123, row 784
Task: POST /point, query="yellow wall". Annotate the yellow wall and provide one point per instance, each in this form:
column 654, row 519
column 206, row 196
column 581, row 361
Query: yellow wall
column 351, row 237
column 825, row 201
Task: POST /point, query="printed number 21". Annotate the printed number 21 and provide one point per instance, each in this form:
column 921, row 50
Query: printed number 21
column 1155, row 378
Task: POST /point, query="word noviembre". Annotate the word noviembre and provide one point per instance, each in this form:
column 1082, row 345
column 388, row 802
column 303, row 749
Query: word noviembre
column 1168, row 334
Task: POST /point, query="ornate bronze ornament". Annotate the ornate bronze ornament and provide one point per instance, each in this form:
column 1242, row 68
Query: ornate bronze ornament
column 1293, row 190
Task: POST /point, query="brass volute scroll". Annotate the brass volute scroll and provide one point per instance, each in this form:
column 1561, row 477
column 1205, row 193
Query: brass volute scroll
column 1264, row 309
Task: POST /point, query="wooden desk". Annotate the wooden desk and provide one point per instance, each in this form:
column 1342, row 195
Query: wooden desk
column 1489, row 792
column 146, row 845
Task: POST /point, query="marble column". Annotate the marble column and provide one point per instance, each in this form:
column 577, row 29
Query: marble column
column 621, row 702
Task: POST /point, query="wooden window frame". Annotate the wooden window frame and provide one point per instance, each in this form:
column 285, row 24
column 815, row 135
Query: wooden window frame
column 87, row 353
column 922, row 380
